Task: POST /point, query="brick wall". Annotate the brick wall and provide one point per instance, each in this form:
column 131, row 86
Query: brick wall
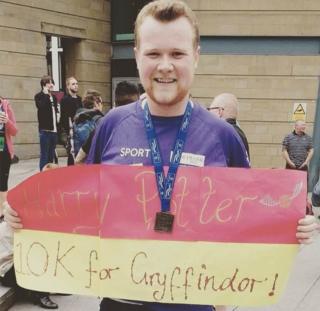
column 23, row 29
column 266, row 85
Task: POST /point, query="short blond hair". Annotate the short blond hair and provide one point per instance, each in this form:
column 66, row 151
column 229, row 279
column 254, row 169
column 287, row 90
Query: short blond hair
column 167, row 11
column 69, row 79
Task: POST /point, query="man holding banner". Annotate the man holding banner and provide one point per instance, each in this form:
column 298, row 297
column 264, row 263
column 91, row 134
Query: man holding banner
column 167, row 54
column 166, row 128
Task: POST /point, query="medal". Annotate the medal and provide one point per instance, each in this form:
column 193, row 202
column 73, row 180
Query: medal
column 164, row 222
column 164, row 219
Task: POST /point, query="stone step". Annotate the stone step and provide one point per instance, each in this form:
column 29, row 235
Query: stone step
column 7, row 297
column 61, row 151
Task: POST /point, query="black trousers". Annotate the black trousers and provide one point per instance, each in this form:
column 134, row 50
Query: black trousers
column 10, row 280
column 112, row 305
column 5, row 163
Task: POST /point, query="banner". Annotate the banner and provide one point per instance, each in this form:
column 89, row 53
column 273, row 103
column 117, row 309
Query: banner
column 89, row 230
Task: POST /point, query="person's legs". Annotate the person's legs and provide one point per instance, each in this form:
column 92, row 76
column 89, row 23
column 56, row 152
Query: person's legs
column 44, row 148
column 40, row 298
column 68, row 147
column 9, row 279
column 43, row 300
column 53, row 139
column 178, row 307
column 56, row 157
column 3, row 198
column 113, row 305
column 5, row 163
column 70, row 159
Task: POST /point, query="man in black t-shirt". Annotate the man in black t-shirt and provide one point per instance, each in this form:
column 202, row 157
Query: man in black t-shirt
column 70, row 103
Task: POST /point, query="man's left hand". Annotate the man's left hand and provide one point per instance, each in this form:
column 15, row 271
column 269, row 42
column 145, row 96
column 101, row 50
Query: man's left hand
column 306, row 229
column 304, row 164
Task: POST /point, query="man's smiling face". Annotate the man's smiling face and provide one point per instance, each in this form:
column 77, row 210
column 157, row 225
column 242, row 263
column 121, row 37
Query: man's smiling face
column 166, row 60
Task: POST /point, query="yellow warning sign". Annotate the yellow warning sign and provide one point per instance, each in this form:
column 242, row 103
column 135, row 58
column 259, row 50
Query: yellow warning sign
column 299, row 111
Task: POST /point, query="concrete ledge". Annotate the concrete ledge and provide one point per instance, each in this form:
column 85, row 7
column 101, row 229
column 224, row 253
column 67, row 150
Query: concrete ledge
column 7, row 297
column 65, row 31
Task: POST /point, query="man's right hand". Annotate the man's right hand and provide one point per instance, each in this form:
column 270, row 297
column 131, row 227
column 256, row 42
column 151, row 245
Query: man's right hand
column 291, row 164
column 11, row 216
column 3, row 118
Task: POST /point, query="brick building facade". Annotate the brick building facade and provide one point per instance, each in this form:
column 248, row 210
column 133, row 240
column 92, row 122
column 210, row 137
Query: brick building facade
column 265, row 52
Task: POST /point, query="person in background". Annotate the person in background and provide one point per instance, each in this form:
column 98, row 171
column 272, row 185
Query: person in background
column 85, row 122
column 125, row 93
column 226, row 107
column 7, row 272
column 8, row 129
column 47, row 107
column 297, row 148
column 69, row 104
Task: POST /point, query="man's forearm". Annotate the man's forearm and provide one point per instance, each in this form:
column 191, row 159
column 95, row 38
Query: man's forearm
column 286, row 156
column 309, row 157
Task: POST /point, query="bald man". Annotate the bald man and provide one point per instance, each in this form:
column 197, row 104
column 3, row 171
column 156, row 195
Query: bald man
column 226, row 106
column 297, row 148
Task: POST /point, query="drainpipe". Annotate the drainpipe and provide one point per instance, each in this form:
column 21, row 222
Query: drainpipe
column 315, row 162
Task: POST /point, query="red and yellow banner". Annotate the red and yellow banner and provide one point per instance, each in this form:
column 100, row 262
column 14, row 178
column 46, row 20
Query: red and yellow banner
column 89, row 230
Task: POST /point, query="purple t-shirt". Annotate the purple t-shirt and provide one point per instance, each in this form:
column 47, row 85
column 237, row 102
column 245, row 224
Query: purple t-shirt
column 121, row 139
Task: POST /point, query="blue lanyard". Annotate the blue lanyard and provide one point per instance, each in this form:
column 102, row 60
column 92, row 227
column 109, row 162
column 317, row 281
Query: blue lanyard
column 165, row 184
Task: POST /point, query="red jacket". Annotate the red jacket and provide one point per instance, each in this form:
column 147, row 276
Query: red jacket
column 10, row 126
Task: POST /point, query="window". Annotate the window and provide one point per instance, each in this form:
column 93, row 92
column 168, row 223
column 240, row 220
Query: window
column 123, row 16
column 54, row 56
column 260, row 45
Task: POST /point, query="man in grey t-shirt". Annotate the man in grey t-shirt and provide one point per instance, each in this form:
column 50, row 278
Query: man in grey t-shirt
column 297, row 148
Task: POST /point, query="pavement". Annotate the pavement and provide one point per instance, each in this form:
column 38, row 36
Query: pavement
column 301, row 293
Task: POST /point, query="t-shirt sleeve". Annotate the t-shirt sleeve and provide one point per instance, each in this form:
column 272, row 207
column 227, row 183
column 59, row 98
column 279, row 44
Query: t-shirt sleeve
column 285, row 142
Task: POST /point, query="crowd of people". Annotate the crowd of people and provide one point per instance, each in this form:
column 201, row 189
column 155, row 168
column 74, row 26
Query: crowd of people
column 167, row 54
